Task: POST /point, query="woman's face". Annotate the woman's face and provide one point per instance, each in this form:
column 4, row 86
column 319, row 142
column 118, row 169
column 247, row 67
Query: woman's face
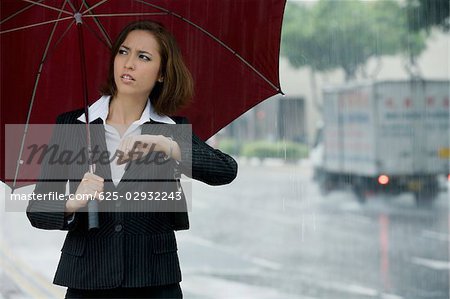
column 137, row 64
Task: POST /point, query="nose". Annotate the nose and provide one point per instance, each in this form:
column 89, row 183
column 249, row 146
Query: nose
column 129, row 63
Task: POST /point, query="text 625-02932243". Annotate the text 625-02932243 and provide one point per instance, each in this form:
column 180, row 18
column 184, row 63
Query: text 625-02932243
column 149, row 195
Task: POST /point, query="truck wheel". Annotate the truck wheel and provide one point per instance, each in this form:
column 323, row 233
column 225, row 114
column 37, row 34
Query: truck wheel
column 360, row 194
column 425, row 198
column 327, row 183
column 325, row 186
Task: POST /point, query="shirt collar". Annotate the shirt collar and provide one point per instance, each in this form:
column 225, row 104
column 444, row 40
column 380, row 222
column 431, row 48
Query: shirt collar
column 100, row 110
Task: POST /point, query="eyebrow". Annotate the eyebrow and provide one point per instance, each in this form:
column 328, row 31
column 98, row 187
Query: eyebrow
column 145, row 52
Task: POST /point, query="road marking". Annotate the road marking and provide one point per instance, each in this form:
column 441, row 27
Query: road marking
column 266, row 263
column 224, row 289
column 214, row 271
column 432, row 264
column 353, row 289
column 232, row 251
column 24, row 285
column 350, row 206
column 435, row 235
column 25, row 277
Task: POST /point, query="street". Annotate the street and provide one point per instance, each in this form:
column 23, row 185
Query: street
column 271, row 234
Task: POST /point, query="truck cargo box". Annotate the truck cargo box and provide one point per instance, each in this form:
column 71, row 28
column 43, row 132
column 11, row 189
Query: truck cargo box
column 387, row 127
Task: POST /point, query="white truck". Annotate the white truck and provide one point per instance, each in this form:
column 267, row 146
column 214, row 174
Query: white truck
column 384, row 136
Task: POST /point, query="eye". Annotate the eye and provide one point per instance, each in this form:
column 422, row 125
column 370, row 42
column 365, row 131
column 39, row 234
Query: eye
column 144, row 57
column 122, row 52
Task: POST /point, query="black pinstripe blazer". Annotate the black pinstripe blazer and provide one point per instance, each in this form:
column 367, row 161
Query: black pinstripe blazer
column 132, row 249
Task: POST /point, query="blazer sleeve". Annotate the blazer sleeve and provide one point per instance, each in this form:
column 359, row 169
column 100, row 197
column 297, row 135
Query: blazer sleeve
column 49, row 214
column 204, row 163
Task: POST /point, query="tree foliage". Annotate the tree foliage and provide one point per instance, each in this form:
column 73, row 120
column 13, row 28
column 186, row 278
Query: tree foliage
column 425, row 14
column 345, row 34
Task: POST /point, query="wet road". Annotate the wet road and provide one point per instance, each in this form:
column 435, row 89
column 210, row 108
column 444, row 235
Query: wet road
column 271, row 234
column 326, row 247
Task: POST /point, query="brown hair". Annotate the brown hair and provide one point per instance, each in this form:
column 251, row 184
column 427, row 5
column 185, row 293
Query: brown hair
column 177, row 89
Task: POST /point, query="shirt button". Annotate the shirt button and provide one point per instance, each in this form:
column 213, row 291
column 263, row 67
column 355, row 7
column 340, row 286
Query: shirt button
column 118, row 227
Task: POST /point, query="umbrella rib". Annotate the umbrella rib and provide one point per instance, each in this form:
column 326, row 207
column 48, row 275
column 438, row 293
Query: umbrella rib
column 215, row 39
column 71, row 5
column 92, row 7
column 18, row 12
column 48, row 6
column 106, row 37
column 127, row 14
column 59, row 40
column 33, row 96
column 153, row 5
column 229, row 49
column 35, row 25
column 104, row 41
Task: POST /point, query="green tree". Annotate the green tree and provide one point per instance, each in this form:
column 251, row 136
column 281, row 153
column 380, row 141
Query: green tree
column 346, row 34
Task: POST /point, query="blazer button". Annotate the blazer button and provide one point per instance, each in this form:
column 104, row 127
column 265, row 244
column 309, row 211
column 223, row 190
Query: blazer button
column 118, row 227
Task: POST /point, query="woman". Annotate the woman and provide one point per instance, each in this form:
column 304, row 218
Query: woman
column 132, row 254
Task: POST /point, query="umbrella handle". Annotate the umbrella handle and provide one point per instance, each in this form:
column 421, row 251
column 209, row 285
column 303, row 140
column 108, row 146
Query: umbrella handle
column 92, row 206
column 93, row 214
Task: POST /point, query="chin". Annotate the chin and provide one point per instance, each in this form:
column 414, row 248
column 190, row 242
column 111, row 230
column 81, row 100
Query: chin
column 132, row 92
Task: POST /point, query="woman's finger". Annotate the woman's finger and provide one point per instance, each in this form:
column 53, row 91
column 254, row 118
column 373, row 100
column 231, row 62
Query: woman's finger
column 95, row 186
column 124, row 146
column 131, row 144
column 90, row 176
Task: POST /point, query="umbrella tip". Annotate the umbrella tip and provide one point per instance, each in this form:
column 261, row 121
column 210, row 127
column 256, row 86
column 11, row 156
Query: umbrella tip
column 78, row 19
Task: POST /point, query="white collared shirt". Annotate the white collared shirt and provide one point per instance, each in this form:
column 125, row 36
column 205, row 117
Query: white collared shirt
column 100, row 109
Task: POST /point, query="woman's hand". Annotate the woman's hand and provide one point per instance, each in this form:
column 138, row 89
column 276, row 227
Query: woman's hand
column 135, row 147
column 90, row 187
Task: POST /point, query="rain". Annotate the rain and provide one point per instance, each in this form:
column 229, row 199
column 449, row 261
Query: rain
column 343, row 181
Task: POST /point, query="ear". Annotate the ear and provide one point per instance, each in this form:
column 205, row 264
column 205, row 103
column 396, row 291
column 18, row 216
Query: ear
column 160, row 76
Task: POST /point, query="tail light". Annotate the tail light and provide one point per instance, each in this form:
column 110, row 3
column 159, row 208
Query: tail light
column 383, row 179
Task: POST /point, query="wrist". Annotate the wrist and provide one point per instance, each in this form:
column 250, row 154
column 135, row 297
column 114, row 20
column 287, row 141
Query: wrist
column 169, row 148
column 69, row 209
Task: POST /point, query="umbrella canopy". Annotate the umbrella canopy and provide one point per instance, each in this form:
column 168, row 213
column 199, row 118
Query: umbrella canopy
column 231, row 47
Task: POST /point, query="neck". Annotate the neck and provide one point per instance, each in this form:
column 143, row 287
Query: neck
column 125, row 109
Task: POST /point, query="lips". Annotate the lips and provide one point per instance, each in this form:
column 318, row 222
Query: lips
column 127, row 77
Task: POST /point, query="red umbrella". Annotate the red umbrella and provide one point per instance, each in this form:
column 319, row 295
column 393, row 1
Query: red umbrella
column 231, row 48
